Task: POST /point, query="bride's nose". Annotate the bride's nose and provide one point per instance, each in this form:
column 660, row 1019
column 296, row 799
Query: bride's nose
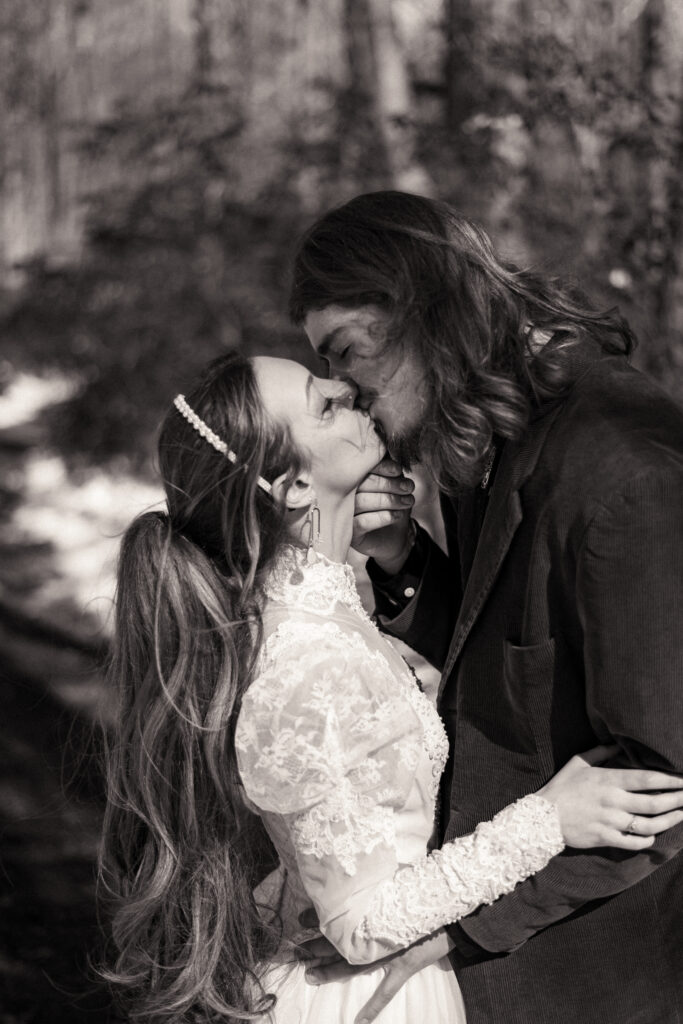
column 347, row 393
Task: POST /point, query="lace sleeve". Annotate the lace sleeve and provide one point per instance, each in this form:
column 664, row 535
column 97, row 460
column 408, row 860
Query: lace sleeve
column 325, row 721
column 452, row 882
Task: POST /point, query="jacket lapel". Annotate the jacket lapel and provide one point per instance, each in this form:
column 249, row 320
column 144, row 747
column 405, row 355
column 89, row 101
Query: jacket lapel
column 503, row 516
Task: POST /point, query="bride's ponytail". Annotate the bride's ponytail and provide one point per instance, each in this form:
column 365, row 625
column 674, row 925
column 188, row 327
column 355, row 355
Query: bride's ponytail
column 181, row 854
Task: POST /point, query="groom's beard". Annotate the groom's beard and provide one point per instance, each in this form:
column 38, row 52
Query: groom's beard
column 406, row 448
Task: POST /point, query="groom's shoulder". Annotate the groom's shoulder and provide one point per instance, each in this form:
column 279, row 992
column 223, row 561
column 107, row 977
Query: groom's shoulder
column 616, row 423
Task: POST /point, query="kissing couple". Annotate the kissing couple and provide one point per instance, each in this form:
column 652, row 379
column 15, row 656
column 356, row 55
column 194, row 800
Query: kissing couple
column 512, row 854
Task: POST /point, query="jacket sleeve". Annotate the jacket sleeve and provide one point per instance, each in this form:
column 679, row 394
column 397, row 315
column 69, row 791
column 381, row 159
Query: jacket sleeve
column 424, row 621
column 630, row 599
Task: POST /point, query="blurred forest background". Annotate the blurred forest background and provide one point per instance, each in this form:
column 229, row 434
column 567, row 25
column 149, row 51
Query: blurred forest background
column 158, row 159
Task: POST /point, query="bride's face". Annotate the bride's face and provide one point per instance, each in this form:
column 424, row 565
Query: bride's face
column 341, row 441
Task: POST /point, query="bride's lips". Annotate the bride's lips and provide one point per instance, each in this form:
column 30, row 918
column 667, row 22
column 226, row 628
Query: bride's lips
column 380, row 432
column 370, row 436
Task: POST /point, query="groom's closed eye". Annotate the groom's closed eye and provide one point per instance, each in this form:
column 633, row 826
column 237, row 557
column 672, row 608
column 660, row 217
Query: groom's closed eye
column 341, row 348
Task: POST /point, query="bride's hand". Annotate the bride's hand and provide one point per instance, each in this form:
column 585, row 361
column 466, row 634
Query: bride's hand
column 608, row 806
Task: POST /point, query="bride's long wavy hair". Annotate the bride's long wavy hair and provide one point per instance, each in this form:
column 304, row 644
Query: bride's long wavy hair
column 180, row 854
column 471, row 317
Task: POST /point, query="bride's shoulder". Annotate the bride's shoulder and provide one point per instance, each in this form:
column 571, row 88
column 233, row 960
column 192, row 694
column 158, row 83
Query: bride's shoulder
column 303, row 654
column 308, row 662
column 295, row 633
column 320, row 706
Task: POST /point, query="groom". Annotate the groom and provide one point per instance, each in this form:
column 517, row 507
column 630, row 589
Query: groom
column 557, row 616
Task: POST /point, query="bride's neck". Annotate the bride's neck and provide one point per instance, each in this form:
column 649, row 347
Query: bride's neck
column 336, row 528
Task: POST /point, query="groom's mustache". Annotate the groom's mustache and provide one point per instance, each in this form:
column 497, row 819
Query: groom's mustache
column 404, row 449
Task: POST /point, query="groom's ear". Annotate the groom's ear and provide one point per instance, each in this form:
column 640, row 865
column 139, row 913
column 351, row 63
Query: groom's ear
column 296, row 495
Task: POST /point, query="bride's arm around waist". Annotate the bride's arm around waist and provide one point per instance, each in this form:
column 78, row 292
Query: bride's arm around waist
column 327, row 739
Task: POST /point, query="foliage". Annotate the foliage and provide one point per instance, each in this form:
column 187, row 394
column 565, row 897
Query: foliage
column 564, row 139
column 176, row 271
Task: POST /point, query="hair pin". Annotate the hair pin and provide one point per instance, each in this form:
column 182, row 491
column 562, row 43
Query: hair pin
column 205, row 431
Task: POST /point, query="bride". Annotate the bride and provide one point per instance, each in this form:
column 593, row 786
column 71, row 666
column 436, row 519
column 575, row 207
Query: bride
column 253, row 685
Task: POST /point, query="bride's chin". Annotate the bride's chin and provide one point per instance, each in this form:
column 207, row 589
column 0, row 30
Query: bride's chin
column 373, row 458
column 379, row 450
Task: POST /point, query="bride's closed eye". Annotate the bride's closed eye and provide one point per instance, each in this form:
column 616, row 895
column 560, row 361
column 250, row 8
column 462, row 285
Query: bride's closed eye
column 343, row 396
column 339, row 401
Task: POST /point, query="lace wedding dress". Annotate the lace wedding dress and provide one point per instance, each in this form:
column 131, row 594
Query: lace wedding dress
column 341, row 754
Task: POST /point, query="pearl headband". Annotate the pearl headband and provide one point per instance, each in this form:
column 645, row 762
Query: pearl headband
column 205, row 431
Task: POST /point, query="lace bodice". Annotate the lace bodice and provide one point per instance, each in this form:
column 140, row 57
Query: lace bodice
column 317, row 587
column 341, row 754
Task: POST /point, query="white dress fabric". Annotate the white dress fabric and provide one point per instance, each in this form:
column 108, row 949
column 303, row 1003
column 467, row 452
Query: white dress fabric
column 341, row 754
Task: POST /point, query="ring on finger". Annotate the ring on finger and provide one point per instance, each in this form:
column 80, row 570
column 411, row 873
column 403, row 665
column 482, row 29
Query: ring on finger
column 632, row 826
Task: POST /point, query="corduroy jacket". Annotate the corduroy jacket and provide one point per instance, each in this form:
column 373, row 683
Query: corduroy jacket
column 558, row 625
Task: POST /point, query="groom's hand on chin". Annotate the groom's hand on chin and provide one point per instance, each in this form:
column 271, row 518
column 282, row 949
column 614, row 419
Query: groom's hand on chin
column 381, row 522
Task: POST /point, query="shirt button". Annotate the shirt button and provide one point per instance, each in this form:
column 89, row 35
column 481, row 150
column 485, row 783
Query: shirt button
column 409, row 592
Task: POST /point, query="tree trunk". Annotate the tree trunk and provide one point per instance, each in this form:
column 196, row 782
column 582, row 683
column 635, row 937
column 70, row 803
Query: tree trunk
column 662, row 26
column 460, row 31
column 380, row 114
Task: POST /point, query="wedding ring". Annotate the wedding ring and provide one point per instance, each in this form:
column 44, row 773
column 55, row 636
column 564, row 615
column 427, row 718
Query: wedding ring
column 632, row 825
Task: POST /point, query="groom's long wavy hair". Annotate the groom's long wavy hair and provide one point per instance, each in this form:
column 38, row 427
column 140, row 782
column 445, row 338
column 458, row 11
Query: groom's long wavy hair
column 471, row 317
column 180, row 854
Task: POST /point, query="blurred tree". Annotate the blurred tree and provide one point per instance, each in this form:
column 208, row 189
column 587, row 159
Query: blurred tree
column 380, row 113
column 464, row 24
column 160, row 157
column 662, row 89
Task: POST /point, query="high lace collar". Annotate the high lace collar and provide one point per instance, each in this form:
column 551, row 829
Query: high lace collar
column 317, row 586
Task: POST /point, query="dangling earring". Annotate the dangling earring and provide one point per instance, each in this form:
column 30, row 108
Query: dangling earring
column 312, row 524
column 312, row 521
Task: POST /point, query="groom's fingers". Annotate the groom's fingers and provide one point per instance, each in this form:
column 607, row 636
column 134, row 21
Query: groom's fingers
column 367, row 522
column 394, row 978
column 401, row 966
column 387, row 467
column 395, row 484
column 376, row 501
column 335, row 970
column 319, row 949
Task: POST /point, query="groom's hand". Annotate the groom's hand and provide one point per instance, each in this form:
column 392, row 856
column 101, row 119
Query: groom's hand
column 381, row 524
column 397, row 969
column 400, row 967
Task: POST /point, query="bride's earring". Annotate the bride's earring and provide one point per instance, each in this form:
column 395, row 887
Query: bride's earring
column 312, row 521
column 311, row 531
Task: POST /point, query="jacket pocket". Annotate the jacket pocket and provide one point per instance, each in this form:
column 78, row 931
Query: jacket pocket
column 528, row 674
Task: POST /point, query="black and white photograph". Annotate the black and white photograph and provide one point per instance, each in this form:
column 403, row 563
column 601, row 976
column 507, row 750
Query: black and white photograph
column 341, row 511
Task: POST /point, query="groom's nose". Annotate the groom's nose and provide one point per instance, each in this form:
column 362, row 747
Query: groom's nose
column 363, row 400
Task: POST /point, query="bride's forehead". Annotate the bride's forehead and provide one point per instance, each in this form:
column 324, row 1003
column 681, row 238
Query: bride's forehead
column 279, row 372
column 282, row 383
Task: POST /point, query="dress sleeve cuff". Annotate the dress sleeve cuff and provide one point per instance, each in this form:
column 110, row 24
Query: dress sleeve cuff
column 394, row 593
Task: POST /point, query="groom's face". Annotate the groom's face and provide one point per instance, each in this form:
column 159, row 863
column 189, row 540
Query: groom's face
column 389, row 378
